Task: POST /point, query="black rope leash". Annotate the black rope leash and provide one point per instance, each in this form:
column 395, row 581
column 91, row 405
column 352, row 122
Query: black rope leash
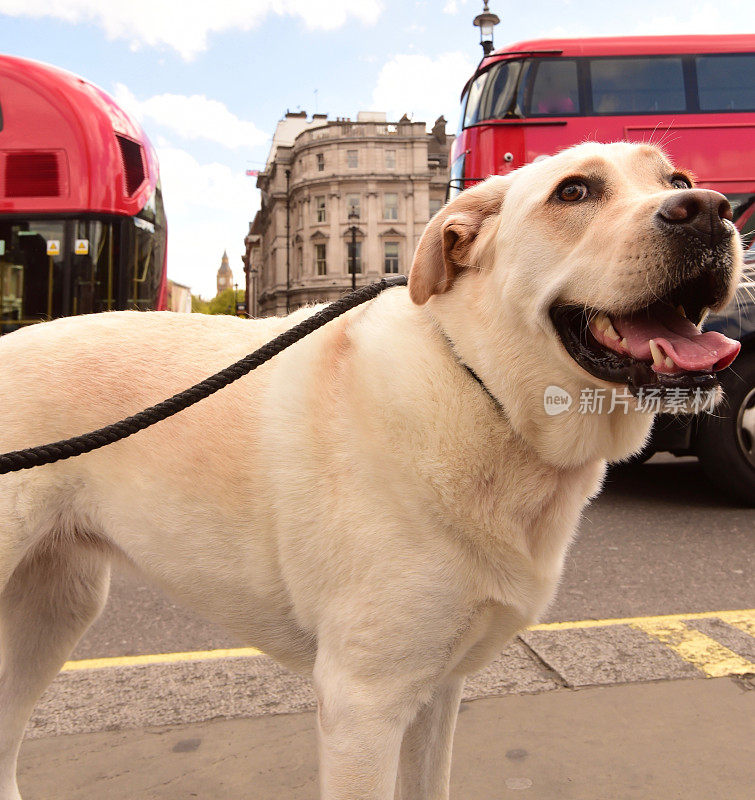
column 75, row 446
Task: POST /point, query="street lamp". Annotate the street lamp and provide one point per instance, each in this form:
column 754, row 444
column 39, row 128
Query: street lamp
column 235, row 300
column 288, row 241
column 251, row 307
column 353, row 217
column 486, row 22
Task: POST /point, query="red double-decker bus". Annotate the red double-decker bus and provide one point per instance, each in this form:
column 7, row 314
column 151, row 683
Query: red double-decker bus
column 695, row 95
column 82, row 224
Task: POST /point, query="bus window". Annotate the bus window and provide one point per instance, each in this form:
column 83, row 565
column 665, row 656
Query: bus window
column 144, row 272
column 498, row 97
column 637, row 85
column 460, row 126
column 726, row 82
column 456, row 181
column 555, row 90
column 94, row 274
column 472, row 114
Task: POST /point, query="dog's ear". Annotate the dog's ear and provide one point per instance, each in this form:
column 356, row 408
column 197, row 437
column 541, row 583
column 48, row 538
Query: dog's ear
column 443, row 250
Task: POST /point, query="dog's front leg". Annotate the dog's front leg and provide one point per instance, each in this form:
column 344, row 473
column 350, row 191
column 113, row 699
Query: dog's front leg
column 360, row 726
column 425, row 765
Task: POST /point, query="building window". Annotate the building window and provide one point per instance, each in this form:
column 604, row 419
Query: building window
column 390, row 205
column 391, row 256
column 352, row 159
column 299, row 261
column 321, row 261
column 390, row 159
column 350, row 257
column 320, row 162
column 353, row 205
column 300, row 215
column 435, row 206
column 320, row 213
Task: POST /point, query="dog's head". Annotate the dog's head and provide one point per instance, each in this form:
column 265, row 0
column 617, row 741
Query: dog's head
column 591, row 270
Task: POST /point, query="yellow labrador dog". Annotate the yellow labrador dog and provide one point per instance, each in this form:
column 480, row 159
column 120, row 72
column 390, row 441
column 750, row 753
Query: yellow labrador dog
column 386, row 503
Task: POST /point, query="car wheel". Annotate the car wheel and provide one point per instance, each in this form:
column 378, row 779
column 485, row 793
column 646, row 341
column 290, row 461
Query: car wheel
column 726, row 438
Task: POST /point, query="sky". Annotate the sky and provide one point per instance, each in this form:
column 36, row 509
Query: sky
column 209, row 79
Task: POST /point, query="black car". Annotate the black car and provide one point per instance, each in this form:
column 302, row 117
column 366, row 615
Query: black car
column 724, row 441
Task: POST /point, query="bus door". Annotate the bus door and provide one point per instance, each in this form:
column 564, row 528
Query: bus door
column 143, row 272
column 34, row 271
column 55, row 268
column 94, row 274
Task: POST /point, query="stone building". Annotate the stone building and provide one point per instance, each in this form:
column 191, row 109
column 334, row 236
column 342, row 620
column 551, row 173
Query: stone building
column 225, row 274
column 328, row 183
column 179, row 297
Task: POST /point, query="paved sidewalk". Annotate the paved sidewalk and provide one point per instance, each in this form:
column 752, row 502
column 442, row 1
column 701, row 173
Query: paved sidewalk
column 183, row 688
column 686, row 739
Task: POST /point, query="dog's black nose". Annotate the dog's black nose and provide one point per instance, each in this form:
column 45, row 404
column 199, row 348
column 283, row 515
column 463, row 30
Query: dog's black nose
column 699, row 211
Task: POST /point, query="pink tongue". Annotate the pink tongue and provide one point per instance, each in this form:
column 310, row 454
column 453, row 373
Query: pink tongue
column 678, row 339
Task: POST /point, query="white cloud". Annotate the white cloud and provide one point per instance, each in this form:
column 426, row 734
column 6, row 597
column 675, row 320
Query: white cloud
column 209, row 207
column 192, row 117
column 707, row 18
column 677, row 18
column 421, row 86
column 452, row 6
column 184, row 25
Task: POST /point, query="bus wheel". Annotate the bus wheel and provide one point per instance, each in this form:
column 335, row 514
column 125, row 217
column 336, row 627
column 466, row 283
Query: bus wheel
column 726, row 438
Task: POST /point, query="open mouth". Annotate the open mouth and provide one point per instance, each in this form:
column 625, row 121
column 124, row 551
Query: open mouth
column 658, row 345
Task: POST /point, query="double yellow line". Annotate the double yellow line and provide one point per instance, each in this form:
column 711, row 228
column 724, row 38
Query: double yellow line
column 708, row 655
column 695, row 647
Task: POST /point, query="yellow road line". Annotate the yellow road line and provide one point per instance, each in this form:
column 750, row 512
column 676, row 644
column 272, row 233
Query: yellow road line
column 743, row 619
column 712, row 658
column 159, row 658
column 744, row 614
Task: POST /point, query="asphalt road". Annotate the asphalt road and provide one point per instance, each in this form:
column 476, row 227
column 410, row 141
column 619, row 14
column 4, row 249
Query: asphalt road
column 659, row 540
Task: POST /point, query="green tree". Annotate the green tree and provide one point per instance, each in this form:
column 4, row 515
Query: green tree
column 225, row 302
column 199, row 306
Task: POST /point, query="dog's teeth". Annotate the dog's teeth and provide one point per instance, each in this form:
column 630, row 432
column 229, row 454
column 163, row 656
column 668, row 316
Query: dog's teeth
column 624, row 344
column 602, row 322
column 668, row 362
column 680, row 309
column 611, row 333
column 704, row 313
column 656, row 353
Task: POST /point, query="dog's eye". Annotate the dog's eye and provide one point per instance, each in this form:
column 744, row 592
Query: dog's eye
column 572, row 191
column 680, row 182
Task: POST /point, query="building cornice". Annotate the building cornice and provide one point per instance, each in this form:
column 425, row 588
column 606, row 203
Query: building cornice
column 361, row 178
column 335, row 141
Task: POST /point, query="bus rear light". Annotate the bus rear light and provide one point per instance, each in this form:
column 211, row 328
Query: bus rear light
column 133, row 164
column 32, row 175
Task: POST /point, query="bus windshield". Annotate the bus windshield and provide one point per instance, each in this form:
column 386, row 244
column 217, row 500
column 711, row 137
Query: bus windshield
column 492, row 94
column 612, row 86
